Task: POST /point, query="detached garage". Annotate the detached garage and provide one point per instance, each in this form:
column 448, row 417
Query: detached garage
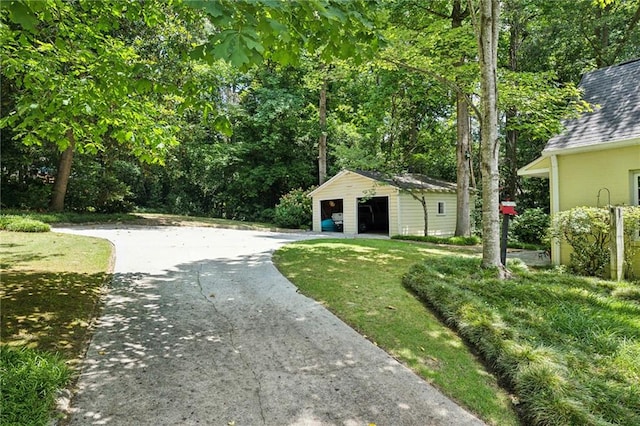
column 369, row 202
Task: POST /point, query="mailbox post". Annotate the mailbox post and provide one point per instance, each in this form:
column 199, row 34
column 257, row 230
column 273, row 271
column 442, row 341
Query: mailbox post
column 507, row 209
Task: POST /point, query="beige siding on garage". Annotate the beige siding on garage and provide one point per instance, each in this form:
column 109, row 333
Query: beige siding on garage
column 412, row 215
column 405, row 213
column 350, row 186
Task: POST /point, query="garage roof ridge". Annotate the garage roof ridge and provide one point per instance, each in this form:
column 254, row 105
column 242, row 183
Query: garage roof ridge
column 410, row 181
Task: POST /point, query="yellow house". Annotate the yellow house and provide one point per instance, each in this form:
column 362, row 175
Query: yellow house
column 595, row 161
column 355, row 202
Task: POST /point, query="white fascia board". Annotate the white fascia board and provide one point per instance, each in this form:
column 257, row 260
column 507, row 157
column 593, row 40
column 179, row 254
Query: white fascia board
column 341, row 173
column 593, row 147
column 533, row 171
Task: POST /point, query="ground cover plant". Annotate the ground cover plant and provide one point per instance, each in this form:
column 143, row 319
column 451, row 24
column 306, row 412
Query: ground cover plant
column 456, row 241
column 361, row 282
column 29, row 380
column 22, row 224
column 568, row 346
column 51, row 287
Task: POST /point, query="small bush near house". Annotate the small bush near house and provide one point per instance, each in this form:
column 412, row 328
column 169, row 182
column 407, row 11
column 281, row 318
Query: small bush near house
column 530, row 227
column 586, row 230
column 294, row 210
column 22, row 224
column 29, row 380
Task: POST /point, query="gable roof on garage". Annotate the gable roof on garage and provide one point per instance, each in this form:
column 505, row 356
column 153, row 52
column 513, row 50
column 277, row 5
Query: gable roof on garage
column 410, row 181
column 406, row 181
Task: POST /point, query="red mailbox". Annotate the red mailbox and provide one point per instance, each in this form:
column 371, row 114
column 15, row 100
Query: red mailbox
column 508, row 208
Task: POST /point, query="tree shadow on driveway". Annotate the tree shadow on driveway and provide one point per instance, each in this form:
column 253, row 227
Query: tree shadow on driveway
column 229, row 340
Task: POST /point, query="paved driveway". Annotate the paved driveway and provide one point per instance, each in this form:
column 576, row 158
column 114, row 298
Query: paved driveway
column 200, row 328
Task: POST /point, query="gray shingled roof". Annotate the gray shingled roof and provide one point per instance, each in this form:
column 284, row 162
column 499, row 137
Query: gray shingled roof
column 615, row 94
column 410, row 181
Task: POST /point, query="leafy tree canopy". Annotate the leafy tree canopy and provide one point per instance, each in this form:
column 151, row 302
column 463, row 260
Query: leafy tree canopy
column 248, row 32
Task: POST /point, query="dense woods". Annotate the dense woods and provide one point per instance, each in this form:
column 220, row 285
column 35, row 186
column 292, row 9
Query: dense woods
column 220, row 108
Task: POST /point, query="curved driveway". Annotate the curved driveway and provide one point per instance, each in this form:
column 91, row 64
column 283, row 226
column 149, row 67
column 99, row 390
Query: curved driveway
column 200, row 328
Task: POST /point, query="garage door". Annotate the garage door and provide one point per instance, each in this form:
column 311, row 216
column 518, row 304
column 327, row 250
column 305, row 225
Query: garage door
column 373, row 215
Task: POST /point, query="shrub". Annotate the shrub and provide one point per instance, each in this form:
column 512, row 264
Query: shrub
column 456, row 241
column 586, row 230
column 29, row 380
column 22, row 224
column 294, row 210
column 530, row 227
column 103, row 186
column 267, row 216
column 27, row 194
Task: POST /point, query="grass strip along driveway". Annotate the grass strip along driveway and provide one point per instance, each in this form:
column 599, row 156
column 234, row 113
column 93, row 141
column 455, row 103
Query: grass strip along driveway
column 360, row 281
column 51, row 288
column 568, row 347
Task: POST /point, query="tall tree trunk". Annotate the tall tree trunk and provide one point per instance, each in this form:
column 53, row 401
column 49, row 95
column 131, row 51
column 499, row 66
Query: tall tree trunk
column 463, row 152
column 62, row 176
column 488, row 28
column 322, row 141
column 463, row 170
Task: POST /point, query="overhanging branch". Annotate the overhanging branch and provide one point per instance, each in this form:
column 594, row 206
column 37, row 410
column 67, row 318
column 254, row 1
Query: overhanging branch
column 443, row 80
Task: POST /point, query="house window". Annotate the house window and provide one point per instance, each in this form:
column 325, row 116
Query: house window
column 441, row 209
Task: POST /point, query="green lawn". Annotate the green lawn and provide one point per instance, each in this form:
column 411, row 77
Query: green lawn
column 51, row 285
column 568, row 347
column 51, row 288
column 360, row 281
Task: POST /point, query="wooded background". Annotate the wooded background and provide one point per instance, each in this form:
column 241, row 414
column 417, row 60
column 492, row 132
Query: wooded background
column 219, row 108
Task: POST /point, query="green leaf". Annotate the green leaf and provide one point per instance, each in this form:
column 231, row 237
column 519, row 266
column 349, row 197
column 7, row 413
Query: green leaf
column 239, row 57
column 21, row 14
column 213, row 8
column 252, row 44
column 278, row 28
column 223, row 125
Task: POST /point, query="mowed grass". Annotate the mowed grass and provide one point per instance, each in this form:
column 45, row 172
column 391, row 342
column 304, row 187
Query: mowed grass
column 51, row 287
column 361, row 282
